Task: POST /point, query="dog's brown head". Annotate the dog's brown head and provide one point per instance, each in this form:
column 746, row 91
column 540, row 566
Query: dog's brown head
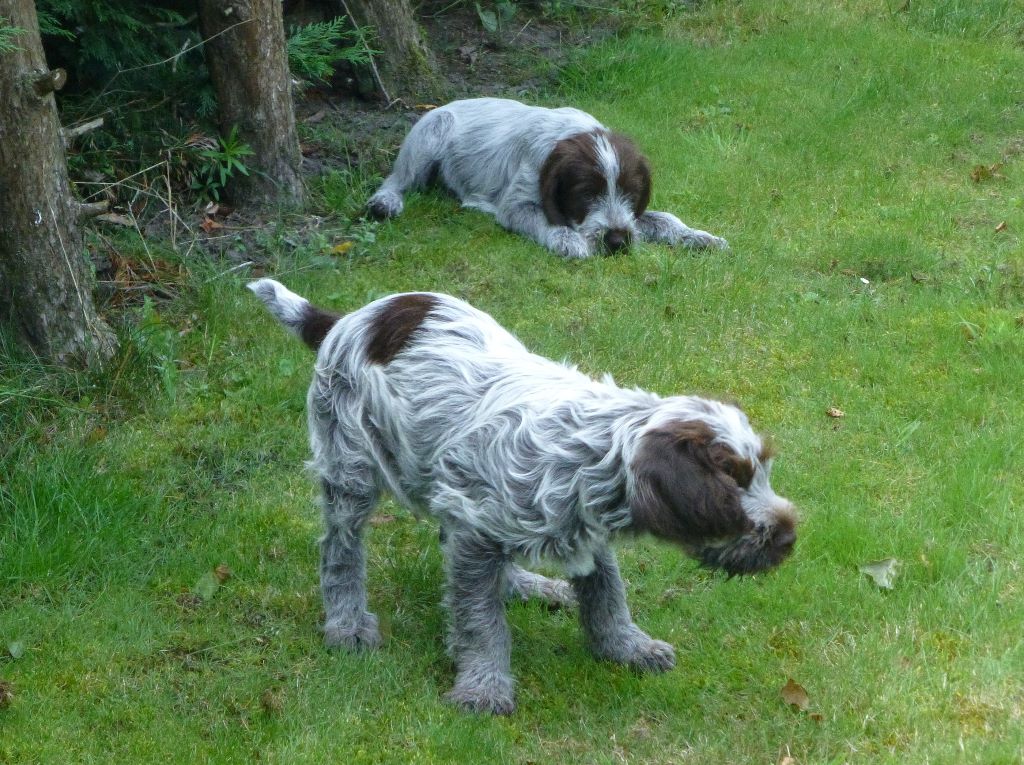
column 708, row 491
column 597, row 182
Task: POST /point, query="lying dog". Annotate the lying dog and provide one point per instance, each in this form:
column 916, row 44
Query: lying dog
column 555, row 175
column 518, row 457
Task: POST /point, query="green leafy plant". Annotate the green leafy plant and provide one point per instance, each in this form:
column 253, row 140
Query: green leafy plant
column 315, row 49
column 99, row 38
column 155, row 343
column 495, row 18
column 219, row 165
column 7, row 35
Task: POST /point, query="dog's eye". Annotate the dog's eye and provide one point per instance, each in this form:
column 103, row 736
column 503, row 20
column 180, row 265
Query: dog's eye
column 742, row 472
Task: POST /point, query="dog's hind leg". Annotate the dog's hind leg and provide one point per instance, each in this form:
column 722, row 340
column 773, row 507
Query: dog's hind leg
column 479, row 639
column 343, row 566
column 417, row 163
column 523, row 585
column 607, row 624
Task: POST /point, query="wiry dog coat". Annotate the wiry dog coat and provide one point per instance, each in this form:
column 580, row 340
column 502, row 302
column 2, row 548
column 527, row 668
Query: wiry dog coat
column 518, row 457
column 557, row 176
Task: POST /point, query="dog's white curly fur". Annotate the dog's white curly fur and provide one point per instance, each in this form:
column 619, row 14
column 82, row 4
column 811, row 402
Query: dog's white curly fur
column 518, row 457
column 490, row 153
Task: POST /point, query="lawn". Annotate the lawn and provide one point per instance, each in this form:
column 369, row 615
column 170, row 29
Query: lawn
column 866, row 162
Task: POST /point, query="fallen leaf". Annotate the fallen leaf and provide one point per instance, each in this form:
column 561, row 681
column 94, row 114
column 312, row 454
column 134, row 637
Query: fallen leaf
column 207, row 585
column 882, row 571
column 341, row 248
column 222, row 572
column 986, row 172
column 835, row 412
column 6, row 694
column 16, row 649
column 211, row 208
column 1001, row 226
column 209, row 225
column 795, row 695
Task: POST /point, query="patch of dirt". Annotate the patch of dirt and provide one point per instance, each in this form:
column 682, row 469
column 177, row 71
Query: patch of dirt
column 521, row 59
column 340, row 129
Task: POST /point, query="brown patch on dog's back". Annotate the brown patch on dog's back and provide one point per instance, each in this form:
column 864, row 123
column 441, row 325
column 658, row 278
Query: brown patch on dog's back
column 316, row 323
column 392, row 327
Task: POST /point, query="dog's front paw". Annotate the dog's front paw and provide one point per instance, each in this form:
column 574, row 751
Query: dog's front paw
column 636, row 649
column 655, row 656
column 666, row 228
column 362, row 635
column 497, row 698
column 568, row 243
column 384, row 204
column 702, row 240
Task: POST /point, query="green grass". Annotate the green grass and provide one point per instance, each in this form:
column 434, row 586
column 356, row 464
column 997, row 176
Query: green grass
column 832, row 144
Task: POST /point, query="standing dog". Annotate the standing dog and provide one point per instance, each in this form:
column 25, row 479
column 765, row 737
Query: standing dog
column 555, row 175
column 518, row 457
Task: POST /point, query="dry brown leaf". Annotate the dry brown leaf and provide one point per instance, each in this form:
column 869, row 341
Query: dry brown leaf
column 986, row 172
column 1001, row 227
column 6, row 694
column 209, row 225
column 222, row 572
column 795, row 695
column 835, row 412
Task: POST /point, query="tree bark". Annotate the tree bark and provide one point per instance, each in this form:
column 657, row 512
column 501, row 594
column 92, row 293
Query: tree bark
column 248, row 62
column 406, row 67
column 46, row 279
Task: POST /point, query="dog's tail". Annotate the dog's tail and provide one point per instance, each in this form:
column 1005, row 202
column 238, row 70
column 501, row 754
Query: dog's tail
column 307, row 322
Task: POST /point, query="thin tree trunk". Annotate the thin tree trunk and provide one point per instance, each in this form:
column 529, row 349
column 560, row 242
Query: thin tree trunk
column 46, row 280
column 248, row 63
column 406, row 67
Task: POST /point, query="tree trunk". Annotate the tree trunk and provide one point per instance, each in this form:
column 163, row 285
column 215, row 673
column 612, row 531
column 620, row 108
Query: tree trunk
column 248, row 63
column 406, row 67
column 46, row 279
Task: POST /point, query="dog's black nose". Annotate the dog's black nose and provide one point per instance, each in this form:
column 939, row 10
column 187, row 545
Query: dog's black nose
column 616, row 239
column 784, row 537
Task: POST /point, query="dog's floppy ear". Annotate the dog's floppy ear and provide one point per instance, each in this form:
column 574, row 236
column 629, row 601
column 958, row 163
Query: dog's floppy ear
column 686, row 488
column 634, row 179
column 570, row 180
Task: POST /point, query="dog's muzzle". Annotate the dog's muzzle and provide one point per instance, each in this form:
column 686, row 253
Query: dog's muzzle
column 763, row 548
column 616, row 239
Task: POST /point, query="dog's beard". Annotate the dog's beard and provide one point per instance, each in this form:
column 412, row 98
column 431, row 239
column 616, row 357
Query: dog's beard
column 762, row 549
